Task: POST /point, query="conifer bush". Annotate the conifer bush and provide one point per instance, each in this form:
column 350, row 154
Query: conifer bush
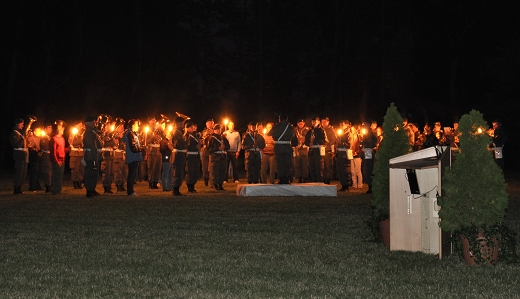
column 474, row 199
column 474, row 189
column 394, row 144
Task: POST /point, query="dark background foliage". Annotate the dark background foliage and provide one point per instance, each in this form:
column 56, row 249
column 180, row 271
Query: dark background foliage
column 249, row 59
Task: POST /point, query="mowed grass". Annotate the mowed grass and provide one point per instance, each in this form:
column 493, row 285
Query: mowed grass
column 218, row 245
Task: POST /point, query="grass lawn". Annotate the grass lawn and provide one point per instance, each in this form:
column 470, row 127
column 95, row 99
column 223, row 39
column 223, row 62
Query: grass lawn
column 217, row 245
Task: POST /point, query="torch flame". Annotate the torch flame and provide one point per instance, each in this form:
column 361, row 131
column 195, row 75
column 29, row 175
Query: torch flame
column 74, row 131
column 340, row 131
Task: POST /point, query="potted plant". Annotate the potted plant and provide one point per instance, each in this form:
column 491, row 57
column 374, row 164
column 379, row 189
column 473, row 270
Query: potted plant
column 395, row 143
column 474, row 199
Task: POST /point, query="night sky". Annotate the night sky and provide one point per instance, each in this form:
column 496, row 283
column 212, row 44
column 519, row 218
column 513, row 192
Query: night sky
column 250, row 59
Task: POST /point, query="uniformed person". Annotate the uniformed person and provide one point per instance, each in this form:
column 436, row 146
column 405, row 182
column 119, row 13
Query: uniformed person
column 205, row 155
column 283, row 133
column 342, row 156
column 133, row 155
column 77, row 170
column 330, row 141
column 154, row 156
column 180, row 148
column 46, row 164
column 107, row 154
column 120, row 168
column 368, row 143
column 315, row 139
column 35, row 153
column 93, row 144
column 218, row 147
column 193, row 158
column 252, row 144
column 301, row 152
column 20, row 154
column 58, row 155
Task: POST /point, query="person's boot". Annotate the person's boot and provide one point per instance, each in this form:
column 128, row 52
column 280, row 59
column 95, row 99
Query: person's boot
column 118, row 188
column 90, row 194
column 155, row 185
column 206, row 181
column 216, row 186
column 108, row 190
column 176, row 192
column 220, row 187
column 16, row 190
column 300, row 181
column 75, row 185
column 369, row 191
column 193, row 188
column 48, row 189
column 343, row 188
column 122, row 186
column 95, row 193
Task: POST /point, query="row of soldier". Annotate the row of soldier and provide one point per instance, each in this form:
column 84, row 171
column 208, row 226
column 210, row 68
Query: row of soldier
column 174, row 152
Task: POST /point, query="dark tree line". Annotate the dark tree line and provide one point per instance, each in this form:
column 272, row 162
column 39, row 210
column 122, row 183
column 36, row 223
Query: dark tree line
column 435, row 59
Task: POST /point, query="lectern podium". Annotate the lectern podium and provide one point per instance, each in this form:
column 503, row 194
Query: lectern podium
column 415, row 181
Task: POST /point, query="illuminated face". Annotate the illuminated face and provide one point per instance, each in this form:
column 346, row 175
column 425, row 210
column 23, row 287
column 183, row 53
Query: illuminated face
column 231, row 126
column 20, row 125
column 48, row 130
column 495, row 125
column 210, row 124
column 316, row 122
column 324, row 122
column 455, row 126
column 301, row 124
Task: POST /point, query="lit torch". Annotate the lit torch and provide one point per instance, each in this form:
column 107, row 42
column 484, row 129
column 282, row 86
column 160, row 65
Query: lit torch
column 74, row 131
column 340, row 132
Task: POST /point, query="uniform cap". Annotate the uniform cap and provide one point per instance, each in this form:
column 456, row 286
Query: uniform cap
column 209, row 120
column 315, row 118
column 283, row 116
column 216, row 127
column 18, row 121
column 179, row 119
column 301, row 120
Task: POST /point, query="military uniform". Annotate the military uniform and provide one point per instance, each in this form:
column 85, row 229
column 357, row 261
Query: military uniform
column 252, row 144
column 45, row 162
column 180, row 148
column 77, row 170
column 166, row 152
column 20, row 156
column 205, row 154
column 107, row 163
column 343, row 162
column 33, row 144
column 154, row 160
column 193, row 161
column 368, row 143
column 301, row 155
column 218, row 147
column 314, row 139
column 283, row 134
column 119, row 165
column 328, row 161
column 93, row 144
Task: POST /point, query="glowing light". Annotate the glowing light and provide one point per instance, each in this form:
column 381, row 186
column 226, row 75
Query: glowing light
column 363, row 131
column 112, row 128
column 265, row 131
column 479, row 131
column 340, row 132
column 226, row 121
column 170, row 128
column 146, row 129
column 37, row 132
column 74, row 131
column 42, row 133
